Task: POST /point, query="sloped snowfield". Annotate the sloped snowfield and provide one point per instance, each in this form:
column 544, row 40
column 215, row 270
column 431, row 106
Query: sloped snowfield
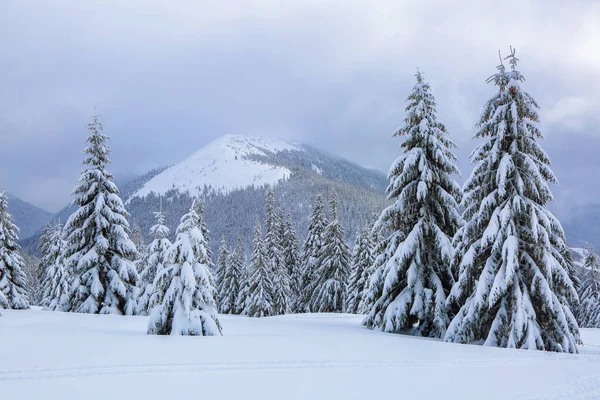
column 51, row 355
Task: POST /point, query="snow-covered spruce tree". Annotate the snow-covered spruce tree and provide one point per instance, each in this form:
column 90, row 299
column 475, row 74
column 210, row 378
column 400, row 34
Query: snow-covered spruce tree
column 309, row 255
column 378, row 246
column 513, row 288
column 232, row 280
column 588, row 314
column 259, row 299
column 99, row 254
column 220, row 268
column 208, row 257
column 153, row 290
column 273, row 249
column 188, row 306
column 362, row 260
column 414, row 275
column 291, row 259
column 138, row 240
column 13, row 292
column 331, row 278
column 242, row 299
column 56, row 278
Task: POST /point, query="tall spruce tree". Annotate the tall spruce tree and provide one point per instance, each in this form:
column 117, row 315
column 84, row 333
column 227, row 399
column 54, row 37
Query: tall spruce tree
column 274, row 252
column 513, row 288
column 309, row 255
column 331, row 278
column 259, row 297
column 208, row 257
column 13, row 292
column 56, row 279
column 188, row 306
column 242, row 299
column 232, row 280
column 138, row 240
column 220, row 268
column 156, row 255
column 362, row 260
column 588, row 314
column 99, row 254
column 291, row 259
column 378, row 246
column 411, row 285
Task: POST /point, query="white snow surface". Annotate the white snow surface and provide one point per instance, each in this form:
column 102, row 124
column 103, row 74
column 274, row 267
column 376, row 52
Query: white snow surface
column 54, row 355
column 223, row 165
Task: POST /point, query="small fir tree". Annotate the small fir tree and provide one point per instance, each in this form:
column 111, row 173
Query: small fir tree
column 329, row 286
column 220, row 268
column 588, row 315
column 56, row 279
column 153, row 289
column 232, row 280
column 188, row 306
column 259, row 298
column 362, row 260
column 309, row 256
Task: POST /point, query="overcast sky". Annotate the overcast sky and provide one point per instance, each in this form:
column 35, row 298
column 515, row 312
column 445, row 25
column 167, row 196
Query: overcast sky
column 169, row 76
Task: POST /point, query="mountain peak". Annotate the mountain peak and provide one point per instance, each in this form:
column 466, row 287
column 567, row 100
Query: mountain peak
column 225, row 164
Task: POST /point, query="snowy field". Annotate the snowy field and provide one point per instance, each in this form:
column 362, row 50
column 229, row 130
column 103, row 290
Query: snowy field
column 51, row 355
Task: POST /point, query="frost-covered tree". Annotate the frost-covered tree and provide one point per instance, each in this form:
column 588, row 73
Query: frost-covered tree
column 13, row 292
column 414, row 276
column 588, row 315
column 362, row 259
column 242, row 299
column 232, row 280
column 138, row 240
column 273, row 242
column 32, row 267
column 309, row 255
column 188, row 306
column 382, row 249
column 513, row 288
column 291, row 257
column 99, row 254
column 220, row 268
column 331, row 277
column 56, row 279
column 156, row 255
column 259, row 299
column 208, row 257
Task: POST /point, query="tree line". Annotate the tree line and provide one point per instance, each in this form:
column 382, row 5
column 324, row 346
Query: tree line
column 483, row 263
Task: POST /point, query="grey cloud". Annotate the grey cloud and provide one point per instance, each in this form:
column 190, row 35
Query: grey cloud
column 168, row 77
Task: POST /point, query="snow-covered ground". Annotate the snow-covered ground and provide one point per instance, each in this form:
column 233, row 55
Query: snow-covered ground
column 51, row 355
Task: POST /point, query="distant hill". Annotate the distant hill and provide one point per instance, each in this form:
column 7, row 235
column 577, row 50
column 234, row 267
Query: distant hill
column 29, row 218
column 582, row 226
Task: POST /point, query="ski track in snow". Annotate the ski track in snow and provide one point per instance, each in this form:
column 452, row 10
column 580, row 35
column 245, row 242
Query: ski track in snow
column 49, row 373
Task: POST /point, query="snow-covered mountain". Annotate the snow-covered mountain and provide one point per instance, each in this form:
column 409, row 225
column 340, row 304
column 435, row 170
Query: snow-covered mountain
column 232, row 173
column 228, row 163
